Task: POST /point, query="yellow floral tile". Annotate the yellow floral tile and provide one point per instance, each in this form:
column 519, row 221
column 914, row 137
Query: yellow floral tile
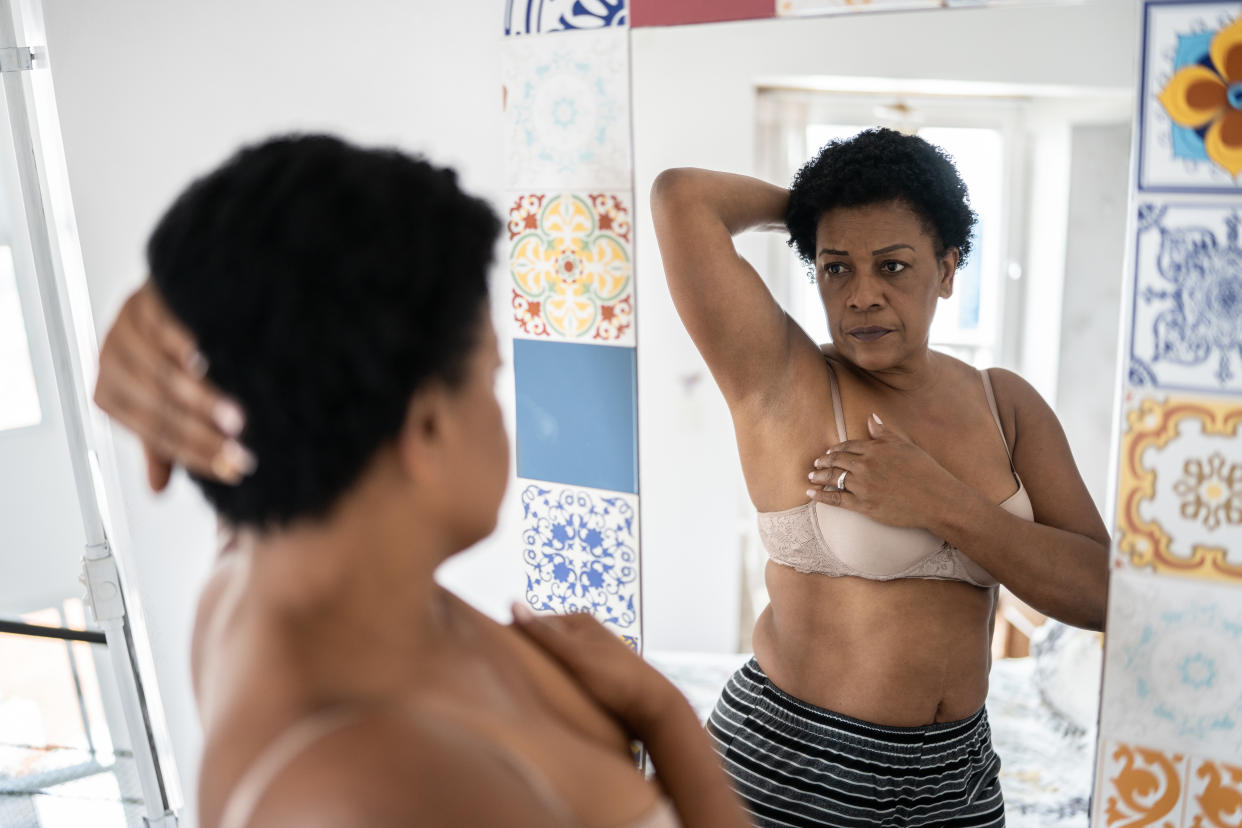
column 1179, row 497
column 571, row 267
column 1190, row 131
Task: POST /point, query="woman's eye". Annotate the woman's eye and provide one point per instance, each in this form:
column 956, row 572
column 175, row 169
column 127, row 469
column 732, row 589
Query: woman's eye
column 834, row 268
column 893, row 267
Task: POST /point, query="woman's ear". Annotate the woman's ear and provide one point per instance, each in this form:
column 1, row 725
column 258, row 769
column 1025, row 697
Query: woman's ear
column 421, row 436
column 948, row 269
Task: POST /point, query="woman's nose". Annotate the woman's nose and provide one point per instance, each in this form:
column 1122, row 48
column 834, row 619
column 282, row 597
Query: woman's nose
column 866, row 294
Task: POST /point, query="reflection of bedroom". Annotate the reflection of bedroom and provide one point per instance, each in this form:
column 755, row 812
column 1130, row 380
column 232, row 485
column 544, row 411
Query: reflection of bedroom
column 1044, row 151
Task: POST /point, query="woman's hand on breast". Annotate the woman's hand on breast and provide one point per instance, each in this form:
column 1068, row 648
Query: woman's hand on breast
column 887, row 478
column 633, row 691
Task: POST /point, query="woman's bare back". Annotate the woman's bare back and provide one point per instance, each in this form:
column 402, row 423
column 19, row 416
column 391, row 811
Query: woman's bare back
column 482, row 690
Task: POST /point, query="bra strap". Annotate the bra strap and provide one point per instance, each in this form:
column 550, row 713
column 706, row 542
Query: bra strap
column 837, row 412
column 987, row 389
column 278, row 755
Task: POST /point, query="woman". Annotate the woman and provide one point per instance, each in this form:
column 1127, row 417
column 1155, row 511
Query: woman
column 339, row 296
column 863, row 704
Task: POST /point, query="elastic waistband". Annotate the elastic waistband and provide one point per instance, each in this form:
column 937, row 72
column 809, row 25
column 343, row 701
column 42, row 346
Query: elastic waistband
column 806, row 714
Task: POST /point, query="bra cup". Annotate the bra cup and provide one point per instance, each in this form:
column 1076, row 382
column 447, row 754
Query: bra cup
column 871, row 547
column 1018, row 504
column 977, row 574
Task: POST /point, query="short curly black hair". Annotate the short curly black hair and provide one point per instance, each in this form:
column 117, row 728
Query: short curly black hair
column 877, row 166
column 325, row 284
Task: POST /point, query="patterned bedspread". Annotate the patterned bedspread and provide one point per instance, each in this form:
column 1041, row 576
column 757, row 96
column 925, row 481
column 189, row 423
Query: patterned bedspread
column 1046, row 762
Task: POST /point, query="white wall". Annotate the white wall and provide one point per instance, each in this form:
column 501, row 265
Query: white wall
column 153, row 92
column 694, row 105
column 1091, row 313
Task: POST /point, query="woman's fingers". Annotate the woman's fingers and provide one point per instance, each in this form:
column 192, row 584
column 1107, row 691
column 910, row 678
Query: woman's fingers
column 848, row 447
column 159, row 468
column 563, row 636
column 835, row 497
column 162, row 330
column 830, row 474
column 152, row 381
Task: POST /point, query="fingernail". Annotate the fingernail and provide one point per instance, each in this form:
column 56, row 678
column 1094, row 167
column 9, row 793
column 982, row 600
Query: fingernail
column 811, row 476
column 816, row 463
column 197, row 364
column 522, row 613
column 810, row 493
column 241, row 457
column 233, row 462
column 876, row 417
column 229, row 417
column 224, row 470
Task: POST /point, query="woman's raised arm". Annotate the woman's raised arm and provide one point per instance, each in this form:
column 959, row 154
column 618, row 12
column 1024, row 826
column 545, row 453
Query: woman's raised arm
column 739, row 328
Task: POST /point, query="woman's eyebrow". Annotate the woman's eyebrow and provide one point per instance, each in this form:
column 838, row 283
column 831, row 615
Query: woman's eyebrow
column 890, row 249
column 827, row 252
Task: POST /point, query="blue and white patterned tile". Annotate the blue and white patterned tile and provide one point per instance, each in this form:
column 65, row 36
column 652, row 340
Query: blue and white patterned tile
column 567, row 112
column 1173, row 665
column 540, row 16
column 1190, row 109
column 1186, row 326
column 580, row 553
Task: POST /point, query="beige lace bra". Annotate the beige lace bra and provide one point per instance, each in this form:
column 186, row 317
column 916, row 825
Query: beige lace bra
column 829, row 540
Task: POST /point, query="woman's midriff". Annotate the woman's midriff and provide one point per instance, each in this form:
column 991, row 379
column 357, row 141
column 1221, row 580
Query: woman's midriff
column 901, row 653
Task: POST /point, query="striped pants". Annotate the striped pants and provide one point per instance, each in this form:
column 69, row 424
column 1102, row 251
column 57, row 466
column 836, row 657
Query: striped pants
column 797, row 764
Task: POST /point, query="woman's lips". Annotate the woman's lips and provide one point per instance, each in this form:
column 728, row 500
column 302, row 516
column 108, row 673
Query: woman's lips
column 869, row 333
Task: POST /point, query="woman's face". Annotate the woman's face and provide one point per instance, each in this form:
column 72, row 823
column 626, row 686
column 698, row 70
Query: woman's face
column 879, row 278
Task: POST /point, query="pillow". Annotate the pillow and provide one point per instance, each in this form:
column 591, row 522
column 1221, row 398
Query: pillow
column 1068, row 665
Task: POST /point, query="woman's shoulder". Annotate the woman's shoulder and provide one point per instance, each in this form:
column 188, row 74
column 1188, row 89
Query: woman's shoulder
column 1012, row 391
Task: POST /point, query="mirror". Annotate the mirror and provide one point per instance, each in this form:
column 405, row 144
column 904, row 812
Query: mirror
column 1037, row 111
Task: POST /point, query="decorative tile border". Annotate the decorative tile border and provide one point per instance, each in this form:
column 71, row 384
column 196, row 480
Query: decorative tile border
column 1172, row 672
column 571, row 266
column 1215, row 793
column 539, row 16
column 1141, row 786
column 678, row 12
column 1190, row 124
column 1179, row 503
column 1186, row 328
column 567, row 112
column 580, row 553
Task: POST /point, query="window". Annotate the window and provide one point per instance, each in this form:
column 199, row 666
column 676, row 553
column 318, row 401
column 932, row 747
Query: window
column 59, row 765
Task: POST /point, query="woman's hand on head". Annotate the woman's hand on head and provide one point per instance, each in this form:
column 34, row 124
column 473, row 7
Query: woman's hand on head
column 887, row 478
column 152, row 380
column 629, row 688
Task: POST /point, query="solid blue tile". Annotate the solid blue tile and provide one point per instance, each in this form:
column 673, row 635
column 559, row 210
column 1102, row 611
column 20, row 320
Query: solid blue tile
column 577, row 414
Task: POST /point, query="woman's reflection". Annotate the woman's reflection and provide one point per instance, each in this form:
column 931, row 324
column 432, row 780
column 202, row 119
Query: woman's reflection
column 865, row 698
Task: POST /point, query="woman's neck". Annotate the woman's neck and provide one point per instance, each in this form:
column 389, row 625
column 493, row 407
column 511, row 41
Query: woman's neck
column 914, row 376
column 361, row 579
